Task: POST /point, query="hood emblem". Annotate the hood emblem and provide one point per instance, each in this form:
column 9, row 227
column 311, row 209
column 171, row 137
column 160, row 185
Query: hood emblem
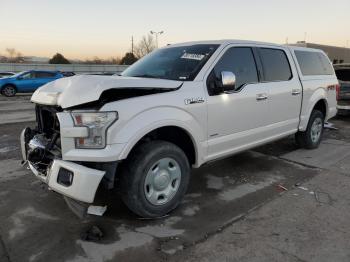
column 194, row 100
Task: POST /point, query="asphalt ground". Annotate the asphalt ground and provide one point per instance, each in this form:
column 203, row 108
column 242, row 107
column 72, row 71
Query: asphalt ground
column 236, row 209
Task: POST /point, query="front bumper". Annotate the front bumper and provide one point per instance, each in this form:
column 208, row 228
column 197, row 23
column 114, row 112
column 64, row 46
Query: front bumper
column 83, row 185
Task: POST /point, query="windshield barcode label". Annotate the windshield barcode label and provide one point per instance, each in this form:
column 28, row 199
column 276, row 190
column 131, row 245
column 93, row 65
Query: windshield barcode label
column 192, row 56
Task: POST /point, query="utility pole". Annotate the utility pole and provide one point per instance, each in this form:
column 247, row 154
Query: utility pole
column 132, row 44
column 157, row 34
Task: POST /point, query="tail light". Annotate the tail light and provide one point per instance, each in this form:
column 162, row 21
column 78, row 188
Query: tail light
column 337, row 88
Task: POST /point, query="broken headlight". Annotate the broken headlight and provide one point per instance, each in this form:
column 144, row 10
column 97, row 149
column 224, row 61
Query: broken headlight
column 97, row 124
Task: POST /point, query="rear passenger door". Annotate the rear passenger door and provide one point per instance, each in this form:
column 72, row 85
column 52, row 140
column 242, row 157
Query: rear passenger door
column 280, row 77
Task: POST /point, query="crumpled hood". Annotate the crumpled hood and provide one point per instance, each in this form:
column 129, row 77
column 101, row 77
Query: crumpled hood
column 77, row 90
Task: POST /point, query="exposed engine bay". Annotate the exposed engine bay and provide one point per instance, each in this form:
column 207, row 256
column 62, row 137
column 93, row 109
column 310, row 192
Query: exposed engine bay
column 43, row 143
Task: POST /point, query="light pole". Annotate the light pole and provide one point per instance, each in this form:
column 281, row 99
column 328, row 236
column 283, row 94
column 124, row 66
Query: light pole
column 157, row 34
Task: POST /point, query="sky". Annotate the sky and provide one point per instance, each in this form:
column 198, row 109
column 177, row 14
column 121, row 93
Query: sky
column 81, row 29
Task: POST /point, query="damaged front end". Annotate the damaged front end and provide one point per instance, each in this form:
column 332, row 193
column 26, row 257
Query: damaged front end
column 41, row 149
column 42, row 145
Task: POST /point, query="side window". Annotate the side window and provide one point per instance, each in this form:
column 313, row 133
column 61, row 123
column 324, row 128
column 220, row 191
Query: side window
column 28, row 75
column 326, row 64
column 241, row 62
column 44, row 75
column 313, row 63
column 275, row 63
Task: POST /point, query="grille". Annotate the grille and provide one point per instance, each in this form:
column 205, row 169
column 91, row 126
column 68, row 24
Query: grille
column 47, row 120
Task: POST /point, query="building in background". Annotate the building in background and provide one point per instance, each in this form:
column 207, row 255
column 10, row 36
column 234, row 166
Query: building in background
column 338, row 55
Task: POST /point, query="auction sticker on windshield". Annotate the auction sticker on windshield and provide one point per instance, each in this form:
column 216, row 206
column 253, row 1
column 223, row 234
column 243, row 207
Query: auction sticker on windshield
column 192, row 56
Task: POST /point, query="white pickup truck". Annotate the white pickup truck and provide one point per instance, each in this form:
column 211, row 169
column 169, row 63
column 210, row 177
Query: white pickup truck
column 179, row 107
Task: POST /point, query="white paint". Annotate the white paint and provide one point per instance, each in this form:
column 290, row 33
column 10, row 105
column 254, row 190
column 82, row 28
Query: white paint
column 72, row 91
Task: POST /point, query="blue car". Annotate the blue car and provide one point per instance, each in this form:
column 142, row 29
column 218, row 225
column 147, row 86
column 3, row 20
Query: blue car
column 27, row 81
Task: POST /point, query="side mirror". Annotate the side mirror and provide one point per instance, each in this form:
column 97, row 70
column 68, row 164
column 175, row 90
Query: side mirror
column 228, row 80
column 19, row 78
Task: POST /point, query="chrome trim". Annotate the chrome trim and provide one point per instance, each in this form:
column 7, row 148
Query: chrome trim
column 343, row 107
column 228, row 79
column 296, row 92
column 261, row 97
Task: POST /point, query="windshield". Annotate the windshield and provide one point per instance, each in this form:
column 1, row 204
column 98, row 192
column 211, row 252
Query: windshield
column 20, row 73
column 174, row 63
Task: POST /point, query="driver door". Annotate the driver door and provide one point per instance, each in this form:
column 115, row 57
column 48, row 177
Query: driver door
column 236, row 117
column 26, row 82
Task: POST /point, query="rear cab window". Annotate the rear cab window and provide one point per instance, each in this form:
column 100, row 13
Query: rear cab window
column 313, row 63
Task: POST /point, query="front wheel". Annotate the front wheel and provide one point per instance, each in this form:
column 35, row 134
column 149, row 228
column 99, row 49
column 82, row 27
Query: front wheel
column 155, row 178
column 311, row 138
column 9, row 91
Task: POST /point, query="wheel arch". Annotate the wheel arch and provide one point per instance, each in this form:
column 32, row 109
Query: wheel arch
column 173, row 133
column 317, row 101
column 322, row 106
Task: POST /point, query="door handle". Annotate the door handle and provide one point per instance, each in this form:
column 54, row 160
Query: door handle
column 260, row 97
column 296, row 92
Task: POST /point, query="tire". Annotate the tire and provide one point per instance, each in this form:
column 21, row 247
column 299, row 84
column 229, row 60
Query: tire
column 9, row 90
column 154, row 179
column 311, row 138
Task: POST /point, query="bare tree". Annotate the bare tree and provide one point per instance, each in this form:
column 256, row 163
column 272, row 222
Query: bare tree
column 11, row 52
column 13, row 56
column 145, row 46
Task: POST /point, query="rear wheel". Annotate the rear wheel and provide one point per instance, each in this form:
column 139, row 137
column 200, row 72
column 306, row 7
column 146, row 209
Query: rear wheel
column 155, row 179
column 8, row 91
column 311, row 138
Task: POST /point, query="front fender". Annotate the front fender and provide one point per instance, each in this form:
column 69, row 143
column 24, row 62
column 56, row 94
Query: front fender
column 143, row 123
